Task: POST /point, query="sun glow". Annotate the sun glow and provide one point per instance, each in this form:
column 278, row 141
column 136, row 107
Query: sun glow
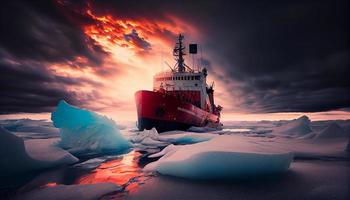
column 137, row 50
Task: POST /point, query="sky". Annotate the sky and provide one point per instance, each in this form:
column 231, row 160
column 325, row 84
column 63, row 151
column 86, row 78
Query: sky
column 269, row 60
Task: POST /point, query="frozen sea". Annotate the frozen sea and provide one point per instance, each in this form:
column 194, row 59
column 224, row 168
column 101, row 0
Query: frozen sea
column 320, row 166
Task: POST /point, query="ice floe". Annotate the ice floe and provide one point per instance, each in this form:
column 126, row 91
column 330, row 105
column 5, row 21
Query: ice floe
column 18, row 156
column 221, row 157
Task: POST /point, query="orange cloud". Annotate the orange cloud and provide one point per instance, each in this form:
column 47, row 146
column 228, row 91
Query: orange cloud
column 136, row 50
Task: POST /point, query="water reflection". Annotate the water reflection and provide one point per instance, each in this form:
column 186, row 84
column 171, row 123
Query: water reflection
column 124, row 172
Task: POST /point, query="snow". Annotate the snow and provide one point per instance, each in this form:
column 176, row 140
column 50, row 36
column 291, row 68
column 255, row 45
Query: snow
column 221, row 157
column 85, row 131
column 332, row 131
column 294, row 128
column 18, row 156
column 81, row 192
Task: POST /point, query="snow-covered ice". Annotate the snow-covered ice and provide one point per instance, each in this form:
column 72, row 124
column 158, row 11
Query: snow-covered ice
column 241, row 149
column 85, row 131
column 221, row 157
column 18, row 156
column 332, row 131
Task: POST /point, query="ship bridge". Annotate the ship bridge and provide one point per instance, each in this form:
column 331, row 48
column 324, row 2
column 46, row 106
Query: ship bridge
column 188, row 86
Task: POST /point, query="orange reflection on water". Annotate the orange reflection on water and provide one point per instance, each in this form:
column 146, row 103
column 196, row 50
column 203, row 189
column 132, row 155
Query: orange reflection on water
column 50, row 184
column 118, row 171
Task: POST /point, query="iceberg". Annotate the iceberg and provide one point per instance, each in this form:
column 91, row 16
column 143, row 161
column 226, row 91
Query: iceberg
column 85, row 131
column 18, row 156
column 220, row 158
column 294, row 128
column 332, row 131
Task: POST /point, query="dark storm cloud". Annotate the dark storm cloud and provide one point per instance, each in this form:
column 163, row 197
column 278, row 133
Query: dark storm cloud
column 37, row 31
column 34, row 35
column 134, row 38
column 286, row 57
column 31, row 88
column 277, row 56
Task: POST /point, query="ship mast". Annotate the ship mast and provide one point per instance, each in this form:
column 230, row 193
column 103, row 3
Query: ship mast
column 179, row 55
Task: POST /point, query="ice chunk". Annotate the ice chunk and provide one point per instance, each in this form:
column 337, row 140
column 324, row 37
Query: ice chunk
column 295, row 128
column 140, row 136
column 85, row 131
column 82, row 192
column 151, row 142
column 332, row 131
column 152, row 138
column 170, row 149
column 17, row 156
column 221, row 157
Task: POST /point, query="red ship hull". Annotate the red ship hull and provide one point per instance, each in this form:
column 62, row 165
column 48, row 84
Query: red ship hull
column 166, row 112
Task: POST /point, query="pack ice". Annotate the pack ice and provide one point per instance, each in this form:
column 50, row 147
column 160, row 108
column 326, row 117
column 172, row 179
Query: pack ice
column 221, row 157
column 85, row 131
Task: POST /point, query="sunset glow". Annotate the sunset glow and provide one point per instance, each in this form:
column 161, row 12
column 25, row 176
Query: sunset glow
column 116, row 53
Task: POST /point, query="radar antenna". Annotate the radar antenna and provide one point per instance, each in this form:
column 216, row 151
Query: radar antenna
column 178, row 53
